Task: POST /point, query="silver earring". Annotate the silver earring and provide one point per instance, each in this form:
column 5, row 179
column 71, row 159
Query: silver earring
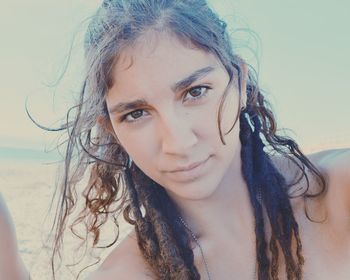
column 130, row 162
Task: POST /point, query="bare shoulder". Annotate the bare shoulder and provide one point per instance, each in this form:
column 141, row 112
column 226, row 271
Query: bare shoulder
column 336, row 165
column 337, row 159
column 124, row 262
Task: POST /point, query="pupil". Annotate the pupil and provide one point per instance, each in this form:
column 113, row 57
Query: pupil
column 196, row 92
column 136, row 114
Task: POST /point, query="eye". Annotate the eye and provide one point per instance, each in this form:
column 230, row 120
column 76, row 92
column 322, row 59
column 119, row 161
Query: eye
column 133, row 116
column 196, row 93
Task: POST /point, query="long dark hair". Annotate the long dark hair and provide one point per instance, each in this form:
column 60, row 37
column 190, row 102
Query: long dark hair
column 117, row 187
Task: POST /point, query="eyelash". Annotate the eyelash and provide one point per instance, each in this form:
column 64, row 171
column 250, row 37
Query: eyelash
column 204, row 94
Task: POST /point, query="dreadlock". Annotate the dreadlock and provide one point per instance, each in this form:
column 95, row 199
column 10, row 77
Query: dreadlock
column 267, row 187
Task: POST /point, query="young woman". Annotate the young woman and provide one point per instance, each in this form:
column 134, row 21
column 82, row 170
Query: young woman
column 11, row 264
column 176, row 135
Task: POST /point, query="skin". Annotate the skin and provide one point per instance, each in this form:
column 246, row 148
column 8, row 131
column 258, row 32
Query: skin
column 178, row 131
column 11, row 264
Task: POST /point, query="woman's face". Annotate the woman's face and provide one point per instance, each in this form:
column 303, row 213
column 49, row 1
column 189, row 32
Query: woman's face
column 163, row 108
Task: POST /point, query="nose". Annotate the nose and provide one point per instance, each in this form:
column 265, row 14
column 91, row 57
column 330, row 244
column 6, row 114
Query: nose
column 177, row 135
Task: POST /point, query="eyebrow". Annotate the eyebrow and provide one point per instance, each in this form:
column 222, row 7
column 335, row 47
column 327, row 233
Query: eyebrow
column 176, row 87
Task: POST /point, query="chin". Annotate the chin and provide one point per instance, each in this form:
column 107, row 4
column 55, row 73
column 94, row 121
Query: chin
column 197, row 190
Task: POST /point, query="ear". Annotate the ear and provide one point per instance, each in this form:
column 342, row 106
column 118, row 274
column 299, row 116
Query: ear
column 244, row 79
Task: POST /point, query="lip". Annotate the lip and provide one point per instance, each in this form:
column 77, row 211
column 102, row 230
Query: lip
column 190, row 172
column 188, row 167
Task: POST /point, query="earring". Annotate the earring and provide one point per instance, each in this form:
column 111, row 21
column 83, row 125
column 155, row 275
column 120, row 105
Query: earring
column 129, row 162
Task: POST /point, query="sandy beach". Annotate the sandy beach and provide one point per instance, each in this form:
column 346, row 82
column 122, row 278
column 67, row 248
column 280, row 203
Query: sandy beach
column 28, row 187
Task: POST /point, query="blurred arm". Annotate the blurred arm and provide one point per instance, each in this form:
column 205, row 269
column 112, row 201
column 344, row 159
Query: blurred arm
column 11, row 264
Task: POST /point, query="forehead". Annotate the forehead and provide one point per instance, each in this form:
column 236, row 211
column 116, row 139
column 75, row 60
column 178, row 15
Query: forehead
column 158, row 60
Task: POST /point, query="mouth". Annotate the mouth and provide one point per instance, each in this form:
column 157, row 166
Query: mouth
column 189, row 172
column 188, row 167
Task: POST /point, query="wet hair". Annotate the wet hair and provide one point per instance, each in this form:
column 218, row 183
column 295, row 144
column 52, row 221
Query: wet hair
column 115, row 187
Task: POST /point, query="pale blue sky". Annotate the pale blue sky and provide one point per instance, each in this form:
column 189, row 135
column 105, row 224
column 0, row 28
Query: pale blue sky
column 304, row 63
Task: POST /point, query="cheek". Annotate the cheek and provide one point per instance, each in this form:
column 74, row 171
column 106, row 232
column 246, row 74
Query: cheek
column 229, row 113
column 135, row 143
column 207, row 122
